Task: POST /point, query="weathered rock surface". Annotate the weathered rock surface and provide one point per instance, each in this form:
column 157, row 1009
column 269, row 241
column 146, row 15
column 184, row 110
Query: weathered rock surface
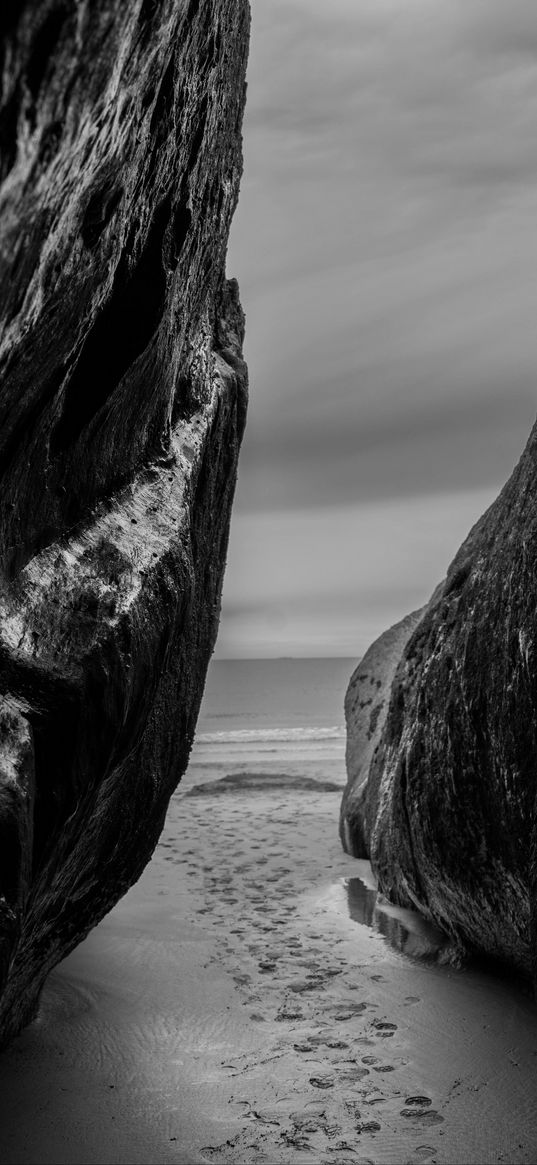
column 442, row 765
column 122, row 405
column 366, row 707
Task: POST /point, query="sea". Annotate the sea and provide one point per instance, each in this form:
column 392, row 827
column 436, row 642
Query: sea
column 272, row 716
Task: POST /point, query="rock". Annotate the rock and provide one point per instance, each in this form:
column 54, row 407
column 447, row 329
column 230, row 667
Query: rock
column 442, row 741
column 366, row 707
column 122, row 405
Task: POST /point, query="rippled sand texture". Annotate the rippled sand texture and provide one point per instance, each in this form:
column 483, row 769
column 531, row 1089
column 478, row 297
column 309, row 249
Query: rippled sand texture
column 229, row 1010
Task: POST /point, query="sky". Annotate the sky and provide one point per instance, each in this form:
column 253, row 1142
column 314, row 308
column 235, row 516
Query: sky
column 386, row 251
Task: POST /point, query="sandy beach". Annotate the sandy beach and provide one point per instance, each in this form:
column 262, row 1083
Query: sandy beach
column 230, row 1009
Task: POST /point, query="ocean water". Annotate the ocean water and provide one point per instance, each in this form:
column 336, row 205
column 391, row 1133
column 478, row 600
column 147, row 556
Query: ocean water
column 272, row 716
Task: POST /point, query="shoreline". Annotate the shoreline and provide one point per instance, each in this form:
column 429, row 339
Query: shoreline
column 230, row 1010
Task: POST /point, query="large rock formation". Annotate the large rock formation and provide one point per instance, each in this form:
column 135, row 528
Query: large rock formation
column 122, row 402
column 443, row 776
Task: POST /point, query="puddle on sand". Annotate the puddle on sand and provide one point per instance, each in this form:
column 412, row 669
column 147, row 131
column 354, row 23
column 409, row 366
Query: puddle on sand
column 405, row 930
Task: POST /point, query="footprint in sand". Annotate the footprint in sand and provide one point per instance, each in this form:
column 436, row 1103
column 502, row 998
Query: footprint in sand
column 345, row 1011
column 340, row 1148
column 353, row 1075
column 374, row 1099
column 423, row 1119
column 309, row 1122
column 242, row 979
column 417, row 1110
column 368, row 1127
column 384, row 1030
column 288, row 1013
column 345, row 1160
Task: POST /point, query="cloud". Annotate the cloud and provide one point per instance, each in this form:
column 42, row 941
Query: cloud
column 493, row 27
column 426, row 452
column 386, row 251
column 385, row 236
column 328, row 582
column 415, row 87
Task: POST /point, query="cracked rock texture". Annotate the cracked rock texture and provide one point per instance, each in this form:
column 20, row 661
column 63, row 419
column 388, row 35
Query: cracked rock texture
column 442, row 741
column 122, row 406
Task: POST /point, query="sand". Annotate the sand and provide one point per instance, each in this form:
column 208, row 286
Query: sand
column 230, row 1010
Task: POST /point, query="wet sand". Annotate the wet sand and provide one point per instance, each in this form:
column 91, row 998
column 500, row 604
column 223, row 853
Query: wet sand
column 231, row 1010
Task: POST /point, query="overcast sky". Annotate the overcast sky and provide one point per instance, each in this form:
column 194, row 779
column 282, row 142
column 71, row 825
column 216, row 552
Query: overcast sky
column 386, row 250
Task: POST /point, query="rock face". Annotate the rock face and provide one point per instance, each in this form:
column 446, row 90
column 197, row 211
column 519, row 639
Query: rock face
column 366, row 705
column 122, row 404
column 443, row 776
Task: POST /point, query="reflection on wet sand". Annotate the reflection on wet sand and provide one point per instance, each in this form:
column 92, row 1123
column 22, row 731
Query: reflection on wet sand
column 405, row 930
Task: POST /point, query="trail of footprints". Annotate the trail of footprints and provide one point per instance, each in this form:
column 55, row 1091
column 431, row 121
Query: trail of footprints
column 346, row 1091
